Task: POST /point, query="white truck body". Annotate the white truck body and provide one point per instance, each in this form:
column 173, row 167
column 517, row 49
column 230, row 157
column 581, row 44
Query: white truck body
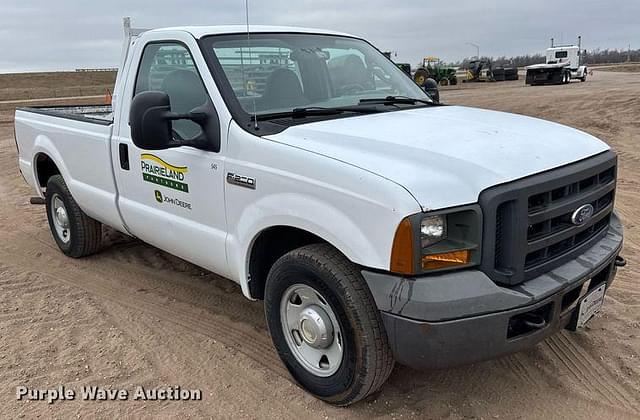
column 563, row 64
column 350, row 182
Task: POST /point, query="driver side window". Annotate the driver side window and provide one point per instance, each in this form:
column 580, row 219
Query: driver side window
column 169, row 68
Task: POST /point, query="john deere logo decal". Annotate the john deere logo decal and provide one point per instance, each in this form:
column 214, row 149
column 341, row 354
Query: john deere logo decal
column 159, row 172
column 159, row 198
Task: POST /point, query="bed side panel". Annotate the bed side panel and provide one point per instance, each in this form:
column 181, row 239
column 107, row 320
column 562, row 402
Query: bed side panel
column 81, row 151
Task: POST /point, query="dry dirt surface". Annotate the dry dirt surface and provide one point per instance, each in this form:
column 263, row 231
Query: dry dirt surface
column 625, row 67
column 54, row 84
column 133, row 315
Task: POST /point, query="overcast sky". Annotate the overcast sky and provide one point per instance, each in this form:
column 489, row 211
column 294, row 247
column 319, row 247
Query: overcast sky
column 67, row 34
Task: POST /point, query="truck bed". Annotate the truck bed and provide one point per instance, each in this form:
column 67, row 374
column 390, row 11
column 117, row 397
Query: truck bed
column 547, row 66
column 99, row 114
column 77, row 141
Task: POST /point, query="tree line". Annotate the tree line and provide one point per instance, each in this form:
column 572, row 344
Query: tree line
column 595, row 56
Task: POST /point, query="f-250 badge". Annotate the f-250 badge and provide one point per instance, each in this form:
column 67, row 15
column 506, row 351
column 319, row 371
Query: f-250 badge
column 241, row 180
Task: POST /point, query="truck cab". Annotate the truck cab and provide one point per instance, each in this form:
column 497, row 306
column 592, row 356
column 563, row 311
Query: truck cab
column 568, row 54
column 377, row 225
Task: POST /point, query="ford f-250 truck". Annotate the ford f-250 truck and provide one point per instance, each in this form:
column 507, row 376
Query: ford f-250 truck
column 376, row 224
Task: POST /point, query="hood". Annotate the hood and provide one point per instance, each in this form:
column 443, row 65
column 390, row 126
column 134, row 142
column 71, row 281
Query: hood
column 445, row 156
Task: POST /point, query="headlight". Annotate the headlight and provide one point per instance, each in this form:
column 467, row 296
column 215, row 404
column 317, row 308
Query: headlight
column 436, row 241
column 433, row 229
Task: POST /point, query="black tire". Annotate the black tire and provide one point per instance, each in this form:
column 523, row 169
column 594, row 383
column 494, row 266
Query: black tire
column 420, row 77
column 499, row 74
column 85, row 232
column 367, row 359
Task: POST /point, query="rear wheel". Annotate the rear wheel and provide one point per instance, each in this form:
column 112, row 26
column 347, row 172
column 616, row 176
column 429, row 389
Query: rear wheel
column 76, row 234
column 325, row 325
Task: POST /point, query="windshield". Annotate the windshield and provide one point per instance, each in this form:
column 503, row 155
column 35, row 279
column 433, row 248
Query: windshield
column 281, row 72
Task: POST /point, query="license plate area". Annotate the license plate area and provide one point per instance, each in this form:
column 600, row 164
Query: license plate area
column 590, row 305
column 590, row 293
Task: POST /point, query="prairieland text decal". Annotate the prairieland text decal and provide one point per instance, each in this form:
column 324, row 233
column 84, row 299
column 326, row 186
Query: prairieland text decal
column 159, row 172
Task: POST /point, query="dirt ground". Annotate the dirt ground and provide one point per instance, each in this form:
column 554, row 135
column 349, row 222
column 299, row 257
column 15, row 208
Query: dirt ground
column 54, row 84
column 628, row 68
column 133, row 315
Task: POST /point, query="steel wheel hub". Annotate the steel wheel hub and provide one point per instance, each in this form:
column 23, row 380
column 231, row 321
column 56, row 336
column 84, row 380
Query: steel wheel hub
column 316, row 327
column 60, row 219
column 311, row 330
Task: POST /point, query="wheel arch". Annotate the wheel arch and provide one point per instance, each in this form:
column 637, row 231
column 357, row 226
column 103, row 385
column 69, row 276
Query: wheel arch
column 268, row 246
column 46, row 162
column 44, row 168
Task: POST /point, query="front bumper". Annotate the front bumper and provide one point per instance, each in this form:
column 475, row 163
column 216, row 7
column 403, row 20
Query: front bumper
column 463, row 317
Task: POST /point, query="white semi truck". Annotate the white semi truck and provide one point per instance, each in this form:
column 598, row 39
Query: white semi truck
column 563, row 64
column 376, row 224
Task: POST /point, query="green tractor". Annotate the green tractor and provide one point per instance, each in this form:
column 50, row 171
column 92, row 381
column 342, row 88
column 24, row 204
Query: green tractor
column 405, row 67
column 433, row 68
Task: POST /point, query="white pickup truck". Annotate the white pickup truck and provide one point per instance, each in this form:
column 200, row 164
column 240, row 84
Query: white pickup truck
column 376, row 224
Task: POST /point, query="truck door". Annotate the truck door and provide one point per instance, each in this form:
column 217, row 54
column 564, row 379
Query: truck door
column 172, row 199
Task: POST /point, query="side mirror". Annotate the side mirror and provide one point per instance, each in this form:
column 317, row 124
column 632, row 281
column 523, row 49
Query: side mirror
column 150, row 127
column 151, row 119
column 431, row 87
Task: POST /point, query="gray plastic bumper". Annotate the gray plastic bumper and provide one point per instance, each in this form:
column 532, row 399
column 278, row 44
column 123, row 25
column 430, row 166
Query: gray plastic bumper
column 463, row 317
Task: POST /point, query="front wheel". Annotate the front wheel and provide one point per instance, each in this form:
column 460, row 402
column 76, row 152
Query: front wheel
column 325, row 326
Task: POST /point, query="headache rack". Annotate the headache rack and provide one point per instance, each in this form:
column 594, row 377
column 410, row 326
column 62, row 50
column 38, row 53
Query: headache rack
column 528, row 228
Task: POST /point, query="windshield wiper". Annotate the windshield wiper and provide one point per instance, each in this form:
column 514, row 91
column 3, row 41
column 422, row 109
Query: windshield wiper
column 393, row 100
column 317, row 111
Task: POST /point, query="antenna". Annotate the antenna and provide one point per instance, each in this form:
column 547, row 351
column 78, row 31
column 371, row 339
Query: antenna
column 246, row 10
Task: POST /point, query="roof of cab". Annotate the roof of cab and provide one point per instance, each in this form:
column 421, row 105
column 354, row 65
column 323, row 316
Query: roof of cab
column 202, row 31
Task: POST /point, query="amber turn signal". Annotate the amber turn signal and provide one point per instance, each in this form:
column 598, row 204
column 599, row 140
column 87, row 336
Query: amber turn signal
column 402, row 252
column 446, row 260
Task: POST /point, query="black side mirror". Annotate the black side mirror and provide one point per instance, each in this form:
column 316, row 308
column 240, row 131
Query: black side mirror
column 151, row 119
column 150, row 127
column 431, row 87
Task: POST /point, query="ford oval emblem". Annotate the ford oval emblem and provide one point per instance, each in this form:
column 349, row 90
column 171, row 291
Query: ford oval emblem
column 582, row 214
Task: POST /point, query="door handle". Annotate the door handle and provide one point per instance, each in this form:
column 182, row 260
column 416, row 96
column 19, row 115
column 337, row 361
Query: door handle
column 123, row 150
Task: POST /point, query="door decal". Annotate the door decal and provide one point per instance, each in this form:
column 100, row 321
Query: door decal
column 159, row 172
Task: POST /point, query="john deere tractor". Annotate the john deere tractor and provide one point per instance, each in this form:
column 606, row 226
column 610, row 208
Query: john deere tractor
column 433, row 68
column 405, row 67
